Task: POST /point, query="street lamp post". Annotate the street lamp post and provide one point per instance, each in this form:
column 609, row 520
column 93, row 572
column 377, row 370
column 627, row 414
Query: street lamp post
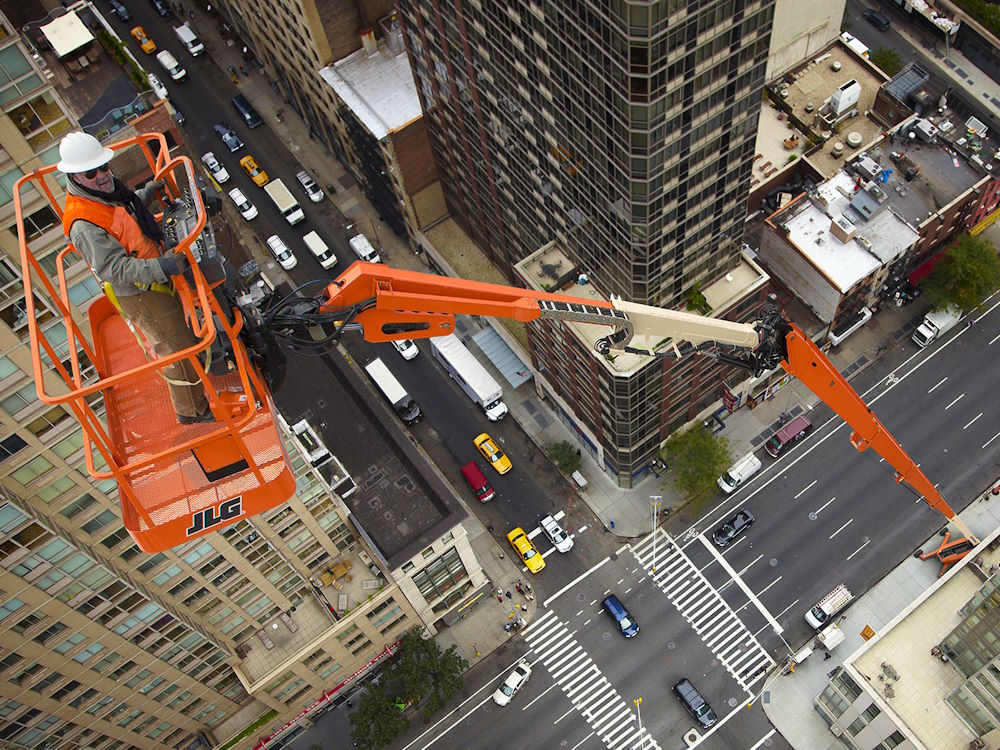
column 638, row 718
column 654, row 506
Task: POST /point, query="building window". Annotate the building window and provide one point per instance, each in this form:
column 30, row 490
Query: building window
column 428, row 553
column 10, row 446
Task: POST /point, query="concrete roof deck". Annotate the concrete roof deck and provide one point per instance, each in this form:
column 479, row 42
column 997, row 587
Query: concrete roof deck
column 944, row 175
column 924, row 680
column 815, row 81
column 720, row 295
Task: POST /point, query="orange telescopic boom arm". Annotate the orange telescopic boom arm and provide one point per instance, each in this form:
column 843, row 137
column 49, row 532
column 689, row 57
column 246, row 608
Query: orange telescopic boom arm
column 389, row 304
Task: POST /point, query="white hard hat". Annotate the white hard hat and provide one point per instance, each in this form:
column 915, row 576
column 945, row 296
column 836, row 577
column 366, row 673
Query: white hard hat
column 79, row 152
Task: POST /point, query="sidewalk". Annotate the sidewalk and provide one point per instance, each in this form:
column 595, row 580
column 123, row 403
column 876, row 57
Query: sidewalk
column 789, row 700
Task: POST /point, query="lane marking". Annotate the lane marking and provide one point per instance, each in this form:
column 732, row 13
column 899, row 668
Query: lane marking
column 937, row 384
column 573, row 583
column 528, row 705
column 764, row 739
column 817, row 512
column 973, row 420
column 782, row 612
column 844, row 527
column 991, row 440
column 954, row 402
column 582, row 529
column 583, row 740
column 859, row 549
column 802, row 491
column 743, row 586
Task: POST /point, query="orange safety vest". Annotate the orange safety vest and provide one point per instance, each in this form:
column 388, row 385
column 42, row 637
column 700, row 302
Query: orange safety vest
column 116, row 220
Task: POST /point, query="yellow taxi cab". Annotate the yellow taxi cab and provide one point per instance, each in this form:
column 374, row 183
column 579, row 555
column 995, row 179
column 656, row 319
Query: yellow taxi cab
column 492, row 453
column 258, row 175
column 142, row 39
column 527, row 551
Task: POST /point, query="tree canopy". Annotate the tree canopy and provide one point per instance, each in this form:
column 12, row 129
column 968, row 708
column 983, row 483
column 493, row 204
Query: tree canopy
column 968, row 273
column 887, row 60
column 420, row 674
column 696, row 458
column 565, row 456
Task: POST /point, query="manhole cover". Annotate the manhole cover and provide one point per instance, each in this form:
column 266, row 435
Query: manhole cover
column 606, row 636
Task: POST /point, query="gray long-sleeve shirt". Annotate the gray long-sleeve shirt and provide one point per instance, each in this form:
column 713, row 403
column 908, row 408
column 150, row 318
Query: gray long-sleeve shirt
column 106, row 256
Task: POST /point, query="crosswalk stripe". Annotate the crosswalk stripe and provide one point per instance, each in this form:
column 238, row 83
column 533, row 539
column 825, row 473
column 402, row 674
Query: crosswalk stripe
column 700, row 603
column 572, row 668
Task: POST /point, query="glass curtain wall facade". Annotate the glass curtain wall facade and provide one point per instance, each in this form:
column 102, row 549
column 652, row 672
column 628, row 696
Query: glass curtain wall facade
column 624, row 129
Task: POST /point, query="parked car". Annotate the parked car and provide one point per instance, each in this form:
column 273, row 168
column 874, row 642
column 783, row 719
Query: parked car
column 228, row 136
column 492, row 453
column 281, row 252
column 879, row 20
column 727, row 532
column 477, row 482
column 514, row 682
column 163, row 8
column 309, row 185
column 406, row 348
column 252, row 168
column 788, row 435
column 217, row 171
column 526, row 550
column 157, row 85
column 146, row 44
column 121, row 11
column 562, row 541
column 243, row 204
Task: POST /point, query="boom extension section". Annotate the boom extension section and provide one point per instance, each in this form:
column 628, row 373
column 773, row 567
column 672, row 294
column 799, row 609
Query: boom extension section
column 389, row 304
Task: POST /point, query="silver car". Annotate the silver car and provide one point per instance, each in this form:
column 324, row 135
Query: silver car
column 214, row 168
column 309, row 185
column 281, row 252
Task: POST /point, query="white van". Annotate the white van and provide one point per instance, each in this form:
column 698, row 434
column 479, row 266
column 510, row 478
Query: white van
column 189, row 40
column 739, row 472
column 828, row 606
column 319, row 248
column 169, row 63
column 363, row 248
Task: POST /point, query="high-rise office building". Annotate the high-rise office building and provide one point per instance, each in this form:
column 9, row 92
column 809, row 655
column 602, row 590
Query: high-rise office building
column 623, row 131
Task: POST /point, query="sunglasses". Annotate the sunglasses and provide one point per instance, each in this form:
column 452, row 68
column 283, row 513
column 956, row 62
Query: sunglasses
column 92, row 173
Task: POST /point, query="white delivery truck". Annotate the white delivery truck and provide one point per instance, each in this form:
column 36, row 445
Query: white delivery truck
column 169, row 63
column 364, row 250
column 936, row 323
column 404, row 405
column 828, row 606
column 189, row 39
column 473, row 378
column 739, row 472
column 285, row 201
column 320, row 250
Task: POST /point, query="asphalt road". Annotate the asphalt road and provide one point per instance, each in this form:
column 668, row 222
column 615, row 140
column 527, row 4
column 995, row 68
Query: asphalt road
column 204, row 99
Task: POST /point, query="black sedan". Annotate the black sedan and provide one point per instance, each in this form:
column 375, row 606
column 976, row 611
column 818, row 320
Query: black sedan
column 725, row 534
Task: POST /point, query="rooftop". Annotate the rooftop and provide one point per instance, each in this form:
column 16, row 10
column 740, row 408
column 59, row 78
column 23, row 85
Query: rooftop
column 944, row 175
column 377, row 87
column 905, row 643
column 90, row 81
column 549, row 266
column 399, row 502
column 806, row 88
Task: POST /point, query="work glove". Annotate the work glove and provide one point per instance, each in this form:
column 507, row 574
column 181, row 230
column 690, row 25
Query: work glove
column 173, row 264
column 155, row 184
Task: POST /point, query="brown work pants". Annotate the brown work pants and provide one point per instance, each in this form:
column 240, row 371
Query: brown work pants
column 160, row 317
